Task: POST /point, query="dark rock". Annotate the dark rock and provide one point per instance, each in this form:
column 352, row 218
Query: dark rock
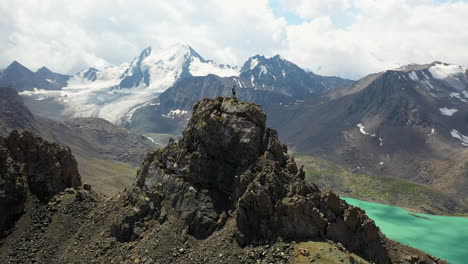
column 32, row 165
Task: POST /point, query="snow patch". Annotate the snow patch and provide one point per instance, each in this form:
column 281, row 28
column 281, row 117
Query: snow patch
column 361, row 128
column 413, row 76
column 443, row 71
column 151, row 139
column 458, row 96
column 428, row 84
column 177, row 112
column 253, row 63
column 199, row 68
column 381, row 163
column 448, row 112
column 465, row 94
column 263, row 70
column 464, row 139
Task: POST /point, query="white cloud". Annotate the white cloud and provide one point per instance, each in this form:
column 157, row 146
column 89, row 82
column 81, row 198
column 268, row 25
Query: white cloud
column 309, row 9
column 70, row 35
column 383, row 35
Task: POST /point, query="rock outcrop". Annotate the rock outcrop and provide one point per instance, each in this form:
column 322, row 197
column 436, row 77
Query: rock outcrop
column 230, row 165
column 32, row 166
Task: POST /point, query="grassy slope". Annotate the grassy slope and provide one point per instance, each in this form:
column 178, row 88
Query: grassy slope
column 106, row 176
column 415, row 197
column 323, row 252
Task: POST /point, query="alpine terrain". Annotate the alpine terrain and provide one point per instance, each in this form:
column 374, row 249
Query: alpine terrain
column 226, row 192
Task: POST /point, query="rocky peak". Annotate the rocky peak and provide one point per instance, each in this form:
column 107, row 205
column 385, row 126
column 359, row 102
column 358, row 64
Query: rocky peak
column 15, row 66
column 229, row 166
column 223, row 138
column 44, row 71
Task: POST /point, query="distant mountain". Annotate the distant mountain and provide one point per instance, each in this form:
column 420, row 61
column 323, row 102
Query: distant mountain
column 279, row 75
column 116, row 93
column 410, row 123
column 21, row 78
column 56, row 79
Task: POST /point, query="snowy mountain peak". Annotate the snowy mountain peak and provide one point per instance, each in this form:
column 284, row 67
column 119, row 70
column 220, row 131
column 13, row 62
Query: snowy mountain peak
column 439, row 70
column 262, row 62
column 156, row 69
column 443, row 71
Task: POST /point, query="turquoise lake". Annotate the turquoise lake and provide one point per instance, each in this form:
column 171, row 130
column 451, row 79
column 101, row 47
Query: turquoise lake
column 445, row 237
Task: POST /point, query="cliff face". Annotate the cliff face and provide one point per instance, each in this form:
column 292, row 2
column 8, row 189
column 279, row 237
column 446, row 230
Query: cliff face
column 32, row 166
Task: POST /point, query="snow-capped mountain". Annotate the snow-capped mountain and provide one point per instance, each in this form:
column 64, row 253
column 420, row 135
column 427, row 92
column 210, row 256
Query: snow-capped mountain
column 270, row 82
column 115, row 92
column 279, row 75
column 156, row 70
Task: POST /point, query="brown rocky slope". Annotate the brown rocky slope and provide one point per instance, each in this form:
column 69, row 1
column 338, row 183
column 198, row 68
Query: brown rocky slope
column 227, row 192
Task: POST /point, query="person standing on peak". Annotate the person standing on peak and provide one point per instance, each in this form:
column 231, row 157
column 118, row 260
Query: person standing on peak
column 234, row 93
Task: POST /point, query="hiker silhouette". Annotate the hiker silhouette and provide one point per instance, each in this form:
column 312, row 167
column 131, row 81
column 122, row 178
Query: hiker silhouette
column 234, row 93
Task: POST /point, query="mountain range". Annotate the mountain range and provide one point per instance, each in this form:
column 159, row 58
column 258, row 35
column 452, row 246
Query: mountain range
column 116, row 93
column 408, row 123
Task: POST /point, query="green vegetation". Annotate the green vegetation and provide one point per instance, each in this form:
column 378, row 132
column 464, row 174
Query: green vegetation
column 106, row 176
column 345, row 182
column 322, row 252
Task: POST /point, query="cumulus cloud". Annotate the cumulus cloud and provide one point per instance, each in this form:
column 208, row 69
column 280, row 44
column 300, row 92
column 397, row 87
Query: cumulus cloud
column 70, row 35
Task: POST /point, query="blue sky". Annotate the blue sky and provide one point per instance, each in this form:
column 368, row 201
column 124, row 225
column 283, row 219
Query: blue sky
column 279, row 11
column 340, row 21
